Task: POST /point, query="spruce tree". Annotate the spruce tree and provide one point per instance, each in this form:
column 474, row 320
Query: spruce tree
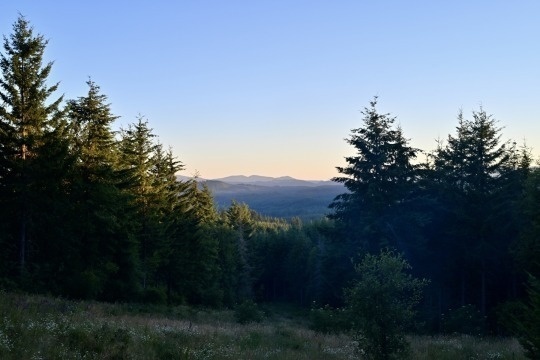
column 378, row 179
column 198, row 246
column 472, row 167
column 239, row 219
column 526, row 249
column 30, row 122
column 172, row 212
column 107, row 259
column 137, row 161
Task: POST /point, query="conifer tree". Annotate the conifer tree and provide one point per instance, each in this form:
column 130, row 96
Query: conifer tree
column 239, row 219
column 102, row 211
column 526, row 249
column 137, row 160
column 198, row 246
column 472, row 168
column 172, row 211
column 30, row 122
column 378, row 179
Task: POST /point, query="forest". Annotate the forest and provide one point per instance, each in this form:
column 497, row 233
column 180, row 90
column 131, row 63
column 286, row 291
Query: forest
column 88, row 213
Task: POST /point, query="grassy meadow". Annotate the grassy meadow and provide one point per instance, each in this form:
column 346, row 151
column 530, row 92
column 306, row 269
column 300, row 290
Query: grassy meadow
column 36, row 327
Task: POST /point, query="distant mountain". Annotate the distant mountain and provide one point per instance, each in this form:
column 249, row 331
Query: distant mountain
column 245, row 179
column 271, row 181
column 186, row 178
column 283, row 197
column 306, row 202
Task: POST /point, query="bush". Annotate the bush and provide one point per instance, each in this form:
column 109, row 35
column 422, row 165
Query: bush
column 247, row 312
column 329, row 320
column 526, row 320
column 381, row 304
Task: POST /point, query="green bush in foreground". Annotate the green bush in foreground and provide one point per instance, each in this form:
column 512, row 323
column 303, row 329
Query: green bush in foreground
column 382, row 304
column 247, row 312
column 329, row 320
column 525, row 322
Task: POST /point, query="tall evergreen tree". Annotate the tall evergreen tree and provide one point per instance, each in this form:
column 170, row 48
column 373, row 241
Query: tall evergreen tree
column 137, row 160
column 526, row 250
column 105, row 245
column 172, row 211
column 199, row 239
column 472, row 168
column 378, row 179
column 239, row 219
column 30, row 121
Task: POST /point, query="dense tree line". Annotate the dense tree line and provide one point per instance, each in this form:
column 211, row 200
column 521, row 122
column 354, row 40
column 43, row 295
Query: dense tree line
column 462, row 218
column 91, row 213
column 87, row 212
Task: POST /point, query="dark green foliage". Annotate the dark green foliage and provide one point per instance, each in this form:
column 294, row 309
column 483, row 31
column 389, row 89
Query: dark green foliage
column 287, row 262
column 247, row 312
column 382, row 304
column 108, row 252
column 526, row 249
column 525, row 320
column 381, row 207
column 466, row 320
column 328, row 320
column 379, row 179
column 194, row 263
column 238, row 217
column 474, row 173
column 31, row 160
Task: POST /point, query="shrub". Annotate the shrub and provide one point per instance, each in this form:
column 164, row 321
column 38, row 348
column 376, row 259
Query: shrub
column 329, row 320
column 526, row 320
column 247, row 312
column 381, row 304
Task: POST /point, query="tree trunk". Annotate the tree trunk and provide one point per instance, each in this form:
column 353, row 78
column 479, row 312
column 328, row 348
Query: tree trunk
column 22, row 245
column 483, row 290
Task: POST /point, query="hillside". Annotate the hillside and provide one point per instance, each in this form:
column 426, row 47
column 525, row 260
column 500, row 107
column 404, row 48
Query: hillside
column 307, row 203
column 284, row 196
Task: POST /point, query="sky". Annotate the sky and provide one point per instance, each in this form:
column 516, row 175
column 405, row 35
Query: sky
column 274, row 87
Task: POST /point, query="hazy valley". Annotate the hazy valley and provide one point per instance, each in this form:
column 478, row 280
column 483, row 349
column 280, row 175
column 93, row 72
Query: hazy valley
column 276, row 197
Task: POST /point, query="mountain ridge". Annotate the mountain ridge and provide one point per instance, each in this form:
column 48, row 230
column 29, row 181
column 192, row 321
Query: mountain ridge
column 264, row 180
column 282, row 197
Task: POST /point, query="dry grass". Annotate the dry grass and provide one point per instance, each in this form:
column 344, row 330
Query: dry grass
column 465, row 347
column 34, row 327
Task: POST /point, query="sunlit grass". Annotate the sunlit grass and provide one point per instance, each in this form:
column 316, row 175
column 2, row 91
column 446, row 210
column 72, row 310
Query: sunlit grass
column 34, row 327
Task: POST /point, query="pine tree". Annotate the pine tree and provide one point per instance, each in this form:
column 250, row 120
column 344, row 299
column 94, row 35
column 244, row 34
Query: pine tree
column 137, row 150
column 30, row 124
column 526, row 250
column 172, row 211
column 199, row 241
column 102, row 212
column 472, row 168
column 378, row 179
column 239, row 219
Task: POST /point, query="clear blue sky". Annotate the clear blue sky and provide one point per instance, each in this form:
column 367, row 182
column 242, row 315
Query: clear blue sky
column 272, row 87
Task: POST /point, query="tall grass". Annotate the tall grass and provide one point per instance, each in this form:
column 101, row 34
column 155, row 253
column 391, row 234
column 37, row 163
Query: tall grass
column 465, row 347
column 35, row 327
